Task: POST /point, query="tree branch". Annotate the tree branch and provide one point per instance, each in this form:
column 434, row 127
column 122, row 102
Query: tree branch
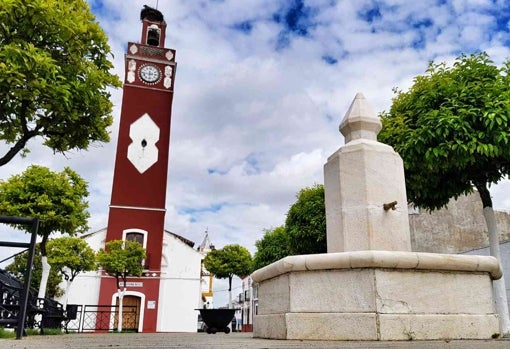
column 18, row 146
column 26, row 136
column 42, row 246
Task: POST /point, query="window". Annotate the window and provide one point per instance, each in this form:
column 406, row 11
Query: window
column 138, row 237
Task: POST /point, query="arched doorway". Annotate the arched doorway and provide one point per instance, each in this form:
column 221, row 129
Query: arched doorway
column 130, row 313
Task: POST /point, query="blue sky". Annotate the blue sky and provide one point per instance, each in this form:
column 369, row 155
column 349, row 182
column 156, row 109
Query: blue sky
column 261, row 87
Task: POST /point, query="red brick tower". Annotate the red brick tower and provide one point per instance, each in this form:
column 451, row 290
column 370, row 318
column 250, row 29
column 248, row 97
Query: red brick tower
column 137, row 209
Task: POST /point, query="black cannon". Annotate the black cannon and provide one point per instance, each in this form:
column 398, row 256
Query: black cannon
column 217, row 320
column 10, row 301
column 51, row 312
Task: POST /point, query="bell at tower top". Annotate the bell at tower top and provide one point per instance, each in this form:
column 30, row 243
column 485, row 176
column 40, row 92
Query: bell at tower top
column 153, row 27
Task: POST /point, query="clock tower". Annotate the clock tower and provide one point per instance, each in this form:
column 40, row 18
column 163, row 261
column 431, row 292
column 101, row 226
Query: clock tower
column 137, row 208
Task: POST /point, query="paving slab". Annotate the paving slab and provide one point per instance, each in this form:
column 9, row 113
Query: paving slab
column 223, row 341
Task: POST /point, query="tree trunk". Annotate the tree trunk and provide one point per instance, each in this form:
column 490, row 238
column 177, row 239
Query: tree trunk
column 66, row 297
column 121, row 298
column 46, row 267
column 499, row 285
column 230, row 292
column 69, row 276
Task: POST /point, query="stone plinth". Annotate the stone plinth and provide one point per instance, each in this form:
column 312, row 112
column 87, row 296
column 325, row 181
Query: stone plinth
column 377, row 295
column 359, row 179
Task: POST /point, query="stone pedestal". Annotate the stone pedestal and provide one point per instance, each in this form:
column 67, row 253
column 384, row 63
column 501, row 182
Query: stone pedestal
column 377, row 295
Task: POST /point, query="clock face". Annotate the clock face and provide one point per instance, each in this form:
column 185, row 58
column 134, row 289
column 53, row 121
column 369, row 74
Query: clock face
column 150, row 73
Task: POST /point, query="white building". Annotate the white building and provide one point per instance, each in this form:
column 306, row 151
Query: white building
column 206, row 277
column 248, row 305
column 180, row 284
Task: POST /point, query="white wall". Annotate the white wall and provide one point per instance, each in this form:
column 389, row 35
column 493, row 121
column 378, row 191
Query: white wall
column 179, row 293
column 84, row 290
column 85, row 287
column 177, row 303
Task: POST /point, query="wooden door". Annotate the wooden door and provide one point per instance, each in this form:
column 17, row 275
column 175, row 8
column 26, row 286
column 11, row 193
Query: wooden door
column 130, row 313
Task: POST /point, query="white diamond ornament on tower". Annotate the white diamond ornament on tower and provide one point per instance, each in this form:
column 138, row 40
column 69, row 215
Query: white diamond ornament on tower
column 143, row 152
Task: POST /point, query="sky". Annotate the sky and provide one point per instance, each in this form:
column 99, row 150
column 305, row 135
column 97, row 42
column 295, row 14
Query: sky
column 261, row 88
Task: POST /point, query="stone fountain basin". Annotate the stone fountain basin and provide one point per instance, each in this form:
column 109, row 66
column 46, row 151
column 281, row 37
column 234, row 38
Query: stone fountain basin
column 377, row 295
column 380, row 259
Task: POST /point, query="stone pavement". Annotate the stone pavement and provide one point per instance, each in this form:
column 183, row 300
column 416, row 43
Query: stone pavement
column 222, row 341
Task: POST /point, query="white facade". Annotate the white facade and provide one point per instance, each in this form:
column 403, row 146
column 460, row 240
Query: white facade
column 180, row 284
column 85, row 287
column 179, row 290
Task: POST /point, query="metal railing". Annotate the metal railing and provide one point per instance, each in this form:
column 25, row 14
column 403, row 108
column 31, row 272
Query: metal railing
column 90, row 318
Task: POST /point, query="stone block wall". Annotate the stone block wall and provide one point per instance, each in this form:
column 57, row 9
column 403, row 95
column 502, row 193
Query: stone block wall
column 458, row 228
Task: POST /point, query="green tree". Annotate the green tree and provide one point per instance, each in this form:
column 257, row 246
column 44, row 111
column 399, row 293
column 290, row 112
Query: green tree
column 273, row 246
column 121, row 259
column 56, row 198
column 452, row 129
column 231, row 260
column 306, row 222
column 71, row 256
column 18, row 268
column 54, row 76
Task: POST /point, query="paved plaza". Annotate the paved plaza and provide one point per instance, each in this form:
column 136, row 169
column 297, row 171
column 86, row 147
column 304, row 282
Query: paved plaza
column 221, row 341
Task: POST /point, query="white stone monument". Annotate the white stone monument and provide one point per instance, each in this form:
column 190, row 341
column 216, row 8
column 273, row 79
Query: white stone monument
column 359, row 178
column 370, row 286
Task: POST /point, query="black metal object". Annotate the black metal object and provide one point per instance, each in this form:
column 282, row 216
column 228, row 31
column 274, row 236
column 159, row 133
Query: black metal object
column 10, row 291
column 217, row 320
column 24, row 295
column 52, row 314
column 71, row 314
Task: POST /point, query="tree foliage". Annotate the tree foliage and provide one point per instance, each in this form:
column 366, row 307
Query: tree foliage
column 54, row 76
column 452, row 129
column 273, row 246
column 306, row 222
column 229, row 261
column 122, row 259
column 18, row 268
column 304, row 231
column 56, row 198
column 71, row 256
